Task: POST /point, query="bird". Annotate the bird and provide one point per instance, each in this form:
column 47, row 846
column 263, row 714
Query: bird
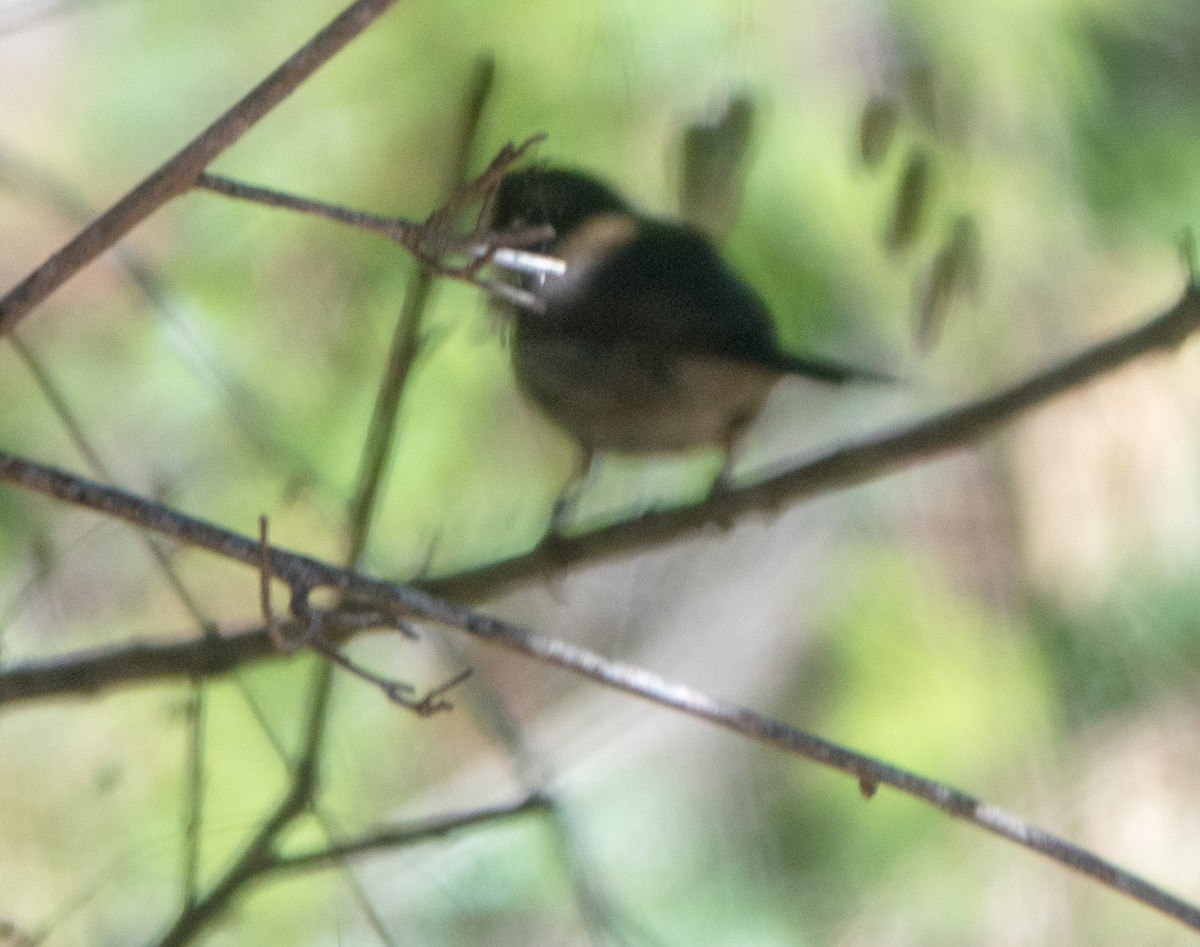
column 649, row 342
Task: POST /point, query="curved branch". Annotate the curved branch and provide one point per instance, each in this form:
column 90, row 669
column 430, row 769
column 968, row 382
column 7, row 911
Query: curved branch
column 857, row 462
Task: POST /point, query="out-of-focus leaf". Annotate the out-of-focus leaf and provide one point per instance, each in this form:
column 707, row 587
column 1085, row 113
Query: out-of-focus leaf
column 1140, row 129
column 953, row 275
column 912, row 197
column 714, row 156
column 877, row 129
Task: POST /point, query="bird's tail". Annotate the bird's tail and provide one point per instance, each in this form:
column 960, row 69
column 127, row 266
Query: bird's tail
column 833, row 372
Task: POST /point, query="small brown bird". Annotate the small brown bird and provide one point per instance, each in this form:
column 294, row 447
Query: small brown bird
column 649, row 342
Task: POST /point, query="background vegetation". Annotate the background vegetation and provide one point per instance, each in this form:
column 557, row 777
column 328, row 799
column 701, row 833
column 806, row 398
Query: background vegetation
column 1018, row 620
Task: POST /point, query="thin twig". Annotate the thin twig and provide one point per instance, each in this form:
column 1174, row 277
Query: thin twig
column 197, row 716
column 403, row 600
column 433, row 240
column 426, row 238
column 433, row 703
column 395, row 691
column 255, row 858
column 177, row 175
column 260, row 857
column 398, row 692
column 376, row 450
column 392, row 837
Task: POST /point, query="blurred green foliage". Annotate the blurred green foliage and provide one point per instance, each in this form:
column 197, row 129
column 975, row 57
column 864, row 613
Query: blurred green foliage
column 1061, row 138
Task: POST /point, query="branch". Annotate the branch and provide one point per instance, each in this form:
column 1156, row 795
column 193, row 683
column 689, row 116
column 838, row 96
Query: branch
column 424, row 241
column 872, row 456
column 87, row 672
column 432, row 241
column 306, row 573
column 179, row 173
column 857, row 462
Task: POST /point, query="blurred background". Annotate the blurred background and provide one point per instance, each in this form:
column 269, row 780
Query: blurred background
column 958, row 194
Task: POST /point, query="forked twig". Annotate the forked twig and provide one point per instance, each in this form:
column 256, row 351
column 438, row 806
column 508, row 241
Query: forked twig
column 434, row 241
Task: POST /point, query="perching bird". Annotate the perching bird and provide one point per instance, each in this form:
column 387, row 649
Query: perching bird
column 649, row 342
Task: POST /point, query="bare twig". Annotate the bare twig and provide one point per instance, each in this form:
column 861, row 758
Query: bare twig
column 390, row 838
column 405, row 601
column 92, row 671
column 376, row 450
column 434, row 241
column 197, row 717
column 256, row 857
column 178, row 174
column 433, row 703
column 398, row 692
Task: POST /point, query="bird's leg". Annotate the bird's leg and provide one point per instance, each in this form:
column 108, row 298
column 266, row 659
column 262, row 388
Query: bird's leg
column 724, row 481
column 723, row 484
column 568, row 499
column 560, row 515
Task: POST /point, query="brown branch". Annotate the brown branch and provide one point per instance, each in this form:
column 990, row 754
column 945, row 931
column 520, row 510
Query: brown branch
column 91, row 671
column 255, row 858
column 375, row 453
column 873, row 456
column 857, row 462
column 303, row 572
column 398, row 692
column 427, row 239
column 177, row 175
